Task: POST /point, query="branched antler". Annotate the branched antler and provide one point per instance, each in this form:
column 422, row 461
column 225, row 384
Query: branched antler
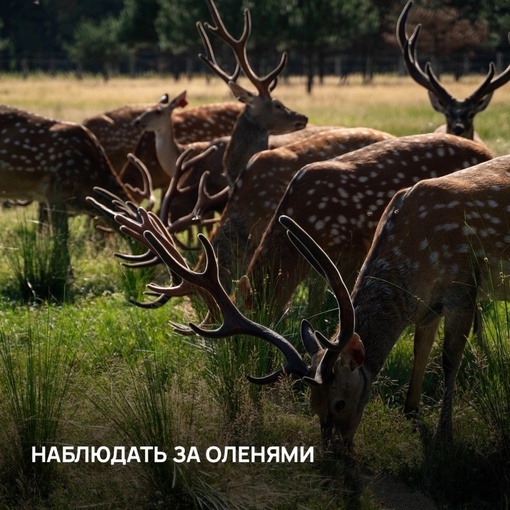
column 263, row 84
column 234, row 322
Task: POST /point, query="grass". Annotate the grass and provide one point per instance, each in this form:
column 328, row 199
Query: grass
column 96, row 370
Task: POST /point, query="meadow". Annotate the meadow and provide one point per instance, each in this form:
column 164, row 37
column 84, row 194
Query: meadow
column 93, row 370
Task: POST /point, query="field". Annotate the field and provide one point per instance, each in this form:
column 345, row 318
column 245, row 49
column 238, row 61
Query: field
column 93, row 370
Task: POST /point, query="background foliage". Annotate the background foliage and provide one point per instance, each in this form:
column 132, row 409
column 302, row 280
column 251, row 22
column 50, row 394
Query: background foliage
column 115, row 35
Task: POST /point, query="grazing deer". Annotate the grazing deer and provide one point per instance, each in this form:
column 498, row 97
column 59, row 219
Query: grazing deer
column 262, row 115
column 119, row 136
column 341, row 200
column 261, row 185
column 56, row 163
column 436, row 246
column 459, row 114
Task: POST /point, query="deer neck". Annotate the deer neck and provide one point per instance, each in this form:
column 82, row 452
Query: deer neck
column 248, row 138
column 383, row 310
column 167, row 149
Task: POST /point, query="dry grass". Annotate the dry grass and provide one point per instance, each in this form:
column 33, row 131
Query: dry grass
column 390, row 103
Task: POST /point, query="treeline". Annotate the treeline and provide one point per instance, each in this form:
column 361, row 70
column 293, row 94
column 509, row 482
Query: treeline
column 322, row 36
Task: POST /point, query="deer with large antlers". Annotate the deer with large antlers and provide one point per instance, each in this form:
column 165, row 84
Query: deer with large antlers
column 341, row 200
column 459, row 113
column 262, row 115
column 437, row 244
column 56, row 163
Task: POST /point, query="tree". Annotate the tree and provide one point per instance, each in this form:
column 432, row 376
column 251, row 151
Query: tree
column 96, row 46
column 445, row 32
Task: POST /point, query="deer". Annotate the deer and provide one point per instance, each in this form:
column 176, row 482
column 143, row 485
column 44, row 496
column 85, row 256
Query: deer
column 341, row 201
column 119, row 136
column 437, row 245
column 159, row 120
column 262, row 115
column 261, row 185
column 56, row 163
column 459, row 114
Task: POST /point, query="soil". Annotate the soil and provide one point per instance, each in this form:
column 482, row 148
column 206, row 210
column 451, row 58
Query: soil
column 394, row 495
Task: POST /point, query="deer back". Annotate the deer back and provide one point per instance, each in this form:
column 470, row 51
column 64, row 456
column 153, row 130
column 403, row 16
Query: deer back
column 260, row 187
column 444, row 237
column 53, row 162
column 340, row 201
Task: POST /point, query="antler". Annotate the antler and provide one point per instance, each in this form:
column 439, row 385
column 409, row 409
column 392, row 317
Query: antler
column 147, row 191
column 204, row 201
column 320, row 261
column 234, row 322
column 427, row 78
column 265, row 84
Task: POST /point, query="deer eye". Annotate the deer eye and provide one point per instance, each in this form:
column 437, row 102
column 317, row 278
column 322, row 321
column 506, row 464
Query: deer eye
column 339, row 405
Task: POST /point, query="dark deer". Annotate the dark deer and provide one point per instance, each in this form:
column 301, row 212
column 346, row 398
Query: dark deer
column 459, row 114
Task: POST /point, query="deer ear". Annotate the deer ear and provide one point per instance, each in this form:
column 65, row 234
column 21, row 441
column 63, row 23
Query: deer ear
column 180, row 100
column 484, row 102
column 436, row 103
column 309, row 339
column 164, row 99
column 240, row 93
column 354, row 352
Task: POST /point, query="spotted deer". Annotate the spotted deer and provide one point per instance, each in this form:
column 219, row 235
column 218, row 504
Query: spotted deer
column 118, row 135
column 159, row 120
column 437, row 244
column 55, row 163
column 261, row 185
column 340, row 202
column 459, row 114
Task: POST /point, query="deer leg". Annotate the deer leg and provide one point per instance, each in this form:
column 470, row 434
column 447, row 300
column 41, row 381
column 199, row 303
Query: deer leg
column 59, row 227
column 457, row 329
column 424, row 335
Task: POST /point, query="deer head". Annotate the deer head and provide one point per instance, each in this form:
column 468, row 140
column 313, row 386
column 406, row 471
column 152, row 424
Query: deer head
column 459, row 113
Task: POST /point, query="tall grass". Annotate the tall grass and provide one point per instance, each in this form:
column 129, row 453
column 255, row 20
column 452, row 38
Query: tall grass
column 39, row 263
column 490, row 359
column 148, row 411
column 36, row 376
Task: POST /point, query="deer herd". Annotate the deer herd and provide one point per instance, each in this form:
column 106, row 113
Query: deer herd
column 405, row 231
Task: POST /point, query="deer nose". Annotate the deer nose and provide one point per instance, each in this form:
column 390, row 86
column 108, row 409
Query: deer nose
column 458, row 129
column 301, row 123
